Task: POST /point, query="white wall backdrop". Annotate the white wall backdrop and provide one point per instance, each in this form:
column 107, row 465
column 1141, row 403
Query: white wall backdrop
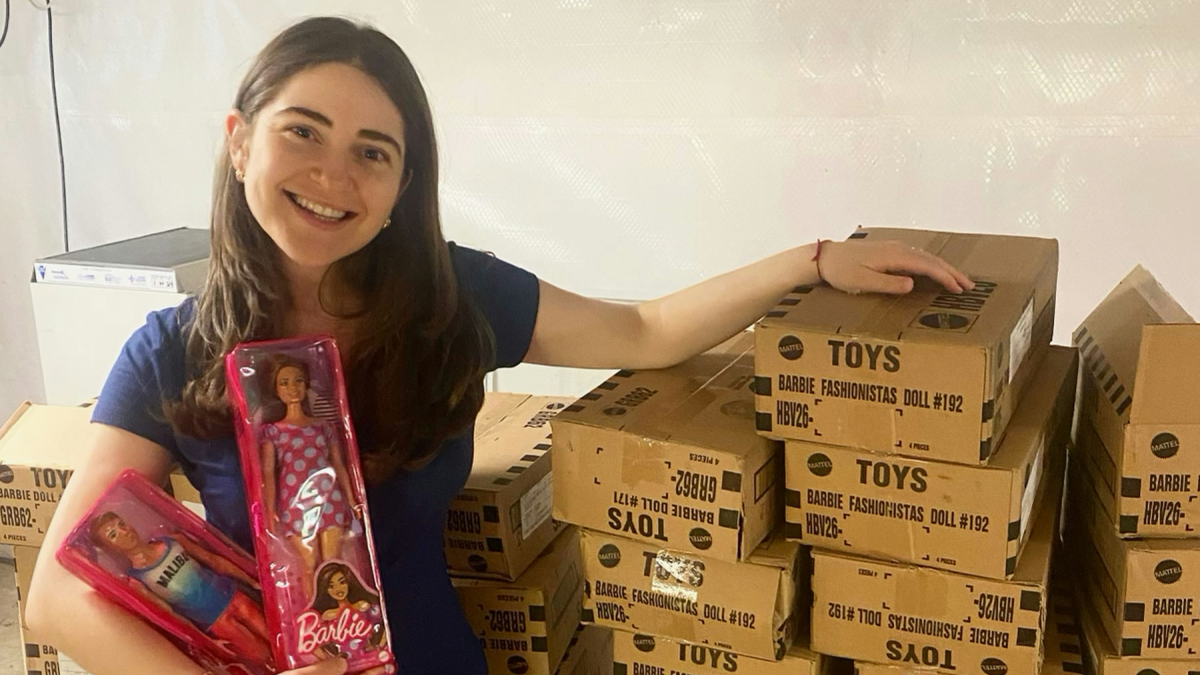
column 627, row 148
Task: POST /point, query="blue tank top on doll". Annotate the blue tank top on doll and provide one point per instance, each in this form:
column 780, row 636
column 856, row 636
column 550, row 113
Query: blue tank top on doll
column 429, row 632
column 195, row 592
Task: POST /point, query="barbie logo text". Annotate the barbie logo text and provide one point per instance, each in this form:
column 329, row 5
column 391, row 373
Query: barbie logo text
column 349, row 625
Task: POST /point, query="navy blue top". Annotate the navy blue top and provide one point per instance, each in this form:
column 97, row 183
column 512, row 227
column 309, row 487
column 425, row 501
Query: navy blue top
column 408, row 511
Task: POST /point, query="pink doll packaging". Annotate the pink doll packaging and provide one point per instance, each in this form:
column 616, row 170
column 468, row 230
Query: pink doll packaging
column 307, row 503
column 147, row 553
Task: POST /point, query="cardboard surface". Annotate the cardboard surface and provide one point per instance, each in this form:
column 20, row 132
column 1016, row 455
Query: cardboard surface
column 930, row 374
column 969, row 519
column 1145, row 593
column 652, row 655
column 670, row 457
column 39, row 449
column 744, row 607
column 915, row 617
column 40, row 657
column 1064, row 645
column 501, row 521
column 182, row 488
column 589, row 653
column 1141, row 355
column 525, row 626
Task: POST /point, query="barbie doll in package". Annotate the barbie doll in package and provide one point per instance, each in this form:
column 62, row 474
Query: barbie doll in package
column 307, row 503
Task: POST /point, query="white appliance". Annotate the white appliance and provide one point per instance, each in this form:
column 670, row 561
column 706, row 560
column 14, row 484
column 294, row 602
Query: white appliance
column 87, row 303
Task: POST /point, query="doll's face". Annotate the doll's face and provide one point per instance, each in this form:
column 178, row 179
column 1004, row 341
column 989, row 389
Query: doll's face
column 119, row 535
column 338, row 588
column 290, row 384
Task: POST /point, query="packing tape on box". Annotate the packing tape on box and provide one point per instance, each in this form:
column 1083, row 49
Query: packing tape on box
column 693, row 405
column 676, row 575
column 645, row 461
column 676, row 626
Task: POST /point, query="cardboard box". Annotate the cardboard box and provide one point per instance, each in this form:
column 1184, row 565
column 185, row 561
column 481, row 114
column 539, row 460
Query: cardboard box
column 969, row 519
column 649, row 654
column 525, row 626
column 739, row 607
column 670, row 457
column 1101, row 657
column 496, row 406
column 590, row 652
column 930, row 374
column 1141, row 352
column 916, row 617
column 1064, row 643
column 500, row 521
column 1146, row 593
column 40, row 446
column 40, row 657
column 1063, row 651
column 182, row 488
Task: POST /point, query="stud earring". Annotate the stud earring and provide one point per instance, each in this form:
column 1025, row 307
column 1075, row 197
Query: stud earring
column 387, row 222
column 237, row 173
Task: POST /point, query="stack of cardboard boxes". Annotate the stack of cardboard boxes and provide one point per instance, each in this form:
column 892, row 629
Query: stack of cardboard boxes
column 877, row 478
column 677, row 502
column 518, row 572
column 926, row 438
column 1134, row 494
column 39, row 449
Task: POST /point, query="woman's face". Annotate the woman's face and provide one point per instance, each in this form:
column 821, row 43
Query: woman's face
column 323, row 163
column 290, row 385
column 338, row 588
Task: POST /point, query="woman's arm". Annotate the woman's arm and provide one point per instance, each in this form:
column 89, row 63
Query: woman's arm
column 267, row 452
column 580, row 332
column 103, row 638
column 343, row 476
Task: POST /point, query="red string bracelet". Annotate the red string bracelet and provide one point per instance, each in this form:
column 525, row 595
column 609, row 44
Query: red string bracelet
column 817, row 259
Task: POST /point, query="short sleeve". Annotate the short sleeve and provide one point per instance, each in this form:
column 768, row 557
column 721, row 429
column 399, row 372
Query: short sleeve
column 269, row 433
column 150, row 365
column 330, row 432
column 506, row 295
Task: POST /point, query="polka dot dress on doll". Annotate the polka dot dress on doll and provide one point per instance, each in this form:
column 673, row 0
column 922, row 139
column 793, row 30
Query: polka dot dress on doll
column 309, row 495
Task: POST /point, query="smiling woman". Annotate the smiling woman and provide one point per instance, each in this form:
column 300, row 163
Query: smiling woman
column 321, row 170
column 325, row 220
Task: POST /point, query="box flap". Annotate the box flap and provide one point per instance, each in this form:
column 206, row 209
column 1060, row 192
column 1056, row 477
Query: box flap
column 1110, row 338
column 1064, row 653
column 1033, row 565
column 780, row 553
column 776, row 551
column 1167, row 375
column 512, row 440
column 691, row 403
column 1001, row 265
column 590, row 652
column 45, row 436
column 1056, row 371
column 496, row 406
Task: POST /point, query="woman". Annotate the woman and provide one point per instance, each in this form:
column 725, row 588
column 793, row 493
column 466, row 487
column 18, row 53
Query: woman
column 325, row 220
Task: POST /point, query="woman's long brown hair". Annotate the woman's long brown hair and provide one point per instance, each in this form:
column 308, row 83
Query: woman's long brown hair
column 415, row 372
